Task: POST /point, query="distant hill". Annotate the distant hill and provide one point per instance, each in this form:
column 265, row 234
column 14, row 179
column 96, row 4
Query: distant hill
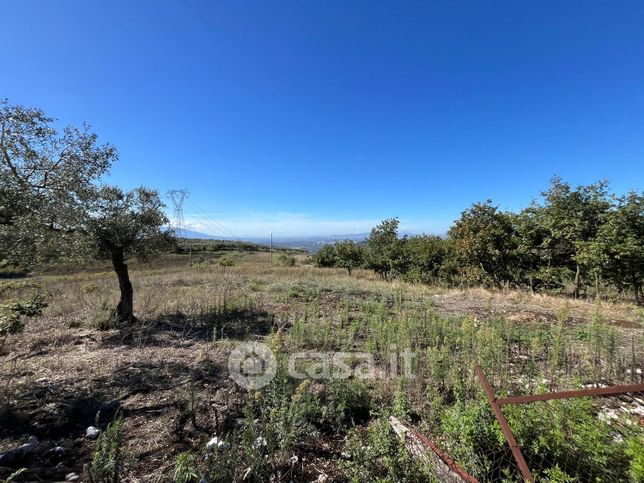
column 196, row 235
column 311, row 243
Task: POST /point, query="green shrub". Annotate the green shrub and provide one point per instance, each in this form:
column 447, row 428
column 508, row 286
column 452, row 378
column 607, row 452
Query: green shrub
column 108, row 461
column 285, row 260
column 379, row 455
column 635, row 451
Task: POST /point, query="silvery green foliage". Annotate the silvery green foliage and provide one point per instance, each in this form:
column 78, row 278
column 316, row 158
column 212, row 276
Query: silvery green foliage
column 47, row 176
column 13, row 312
column 51, row 203
column 129, row 221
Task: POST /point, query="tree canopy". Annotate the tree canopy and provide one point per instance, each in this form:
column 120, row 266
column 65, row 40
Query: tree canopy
column 52, row 203
column 577, row 237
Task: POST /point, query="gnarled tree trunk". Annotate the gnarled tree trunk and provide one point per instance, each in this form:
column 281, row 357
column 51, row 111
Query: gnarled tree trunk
column 125, row 308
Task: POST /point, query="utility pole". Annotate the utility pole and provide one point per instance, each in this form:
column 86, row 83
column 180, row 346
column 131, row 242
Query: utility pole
column 271, row 248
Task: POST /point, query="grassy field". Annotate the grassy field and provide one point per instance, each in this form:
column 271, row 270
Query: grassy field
column 169, row 374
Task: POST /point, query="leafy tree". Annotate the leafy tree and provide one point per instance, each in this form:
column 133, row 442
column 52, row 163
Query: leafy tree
column 482, row 242
column 425, row 255
column 326, row 257
column 384, row 253
column 46, row 175
column 51, row 204
column 617, row 252
column 531, row 263
column 120, row 225
column 349, row 255
column 571, row 217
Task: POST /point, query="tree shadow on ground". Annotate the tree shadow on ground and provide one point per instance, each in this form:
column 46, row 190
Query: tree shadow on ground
column 50, row 411
column 58, row 414
column 177, row 328
column 146, row 377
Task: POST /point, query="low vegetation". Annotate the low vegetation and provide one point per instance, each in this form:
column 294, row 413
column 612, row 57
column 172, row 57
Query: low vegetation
column 169, row 373
column 581, row 239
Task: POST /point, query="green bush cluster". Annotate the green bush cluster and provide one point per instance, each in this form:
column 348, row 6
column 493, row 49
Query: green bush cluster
column 580, row 236
column 23, row 300
column 109, row 461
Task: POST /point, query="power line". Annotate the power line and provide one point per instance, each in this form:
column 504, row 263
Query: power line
column 209, row 220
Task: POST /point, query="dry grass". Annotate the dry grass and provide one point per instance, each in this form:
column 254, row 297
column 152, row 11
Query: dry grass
column 62, row 367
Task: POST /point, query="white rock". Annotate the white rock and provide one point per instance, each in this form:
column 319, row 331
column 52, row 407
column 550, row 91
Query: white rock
column 217, row 443
column 72, row 477
column 260, row 442
column 92, row 432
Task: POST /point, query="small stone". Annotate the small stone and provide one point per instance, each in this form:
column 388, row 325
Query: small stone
column 72, row 477
column 345, row 456
column 59, row 450
column 260, row 442
column 92, row 432
column 217, row 443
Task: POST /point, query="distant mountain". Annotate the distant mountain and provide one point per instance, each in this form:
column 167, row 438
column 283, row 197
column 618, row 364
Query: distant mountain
column 311, row 243
column 195, row 235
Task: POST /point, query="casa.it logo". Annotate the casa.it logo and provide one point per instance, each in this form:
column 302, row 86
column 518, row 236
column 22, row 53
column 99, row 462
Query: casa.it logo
column 252, row 365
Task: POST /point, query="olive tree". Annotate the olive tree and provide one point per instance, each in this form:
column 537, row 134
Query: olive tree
column 119, row 225
column 51, row 203
column 46, row 176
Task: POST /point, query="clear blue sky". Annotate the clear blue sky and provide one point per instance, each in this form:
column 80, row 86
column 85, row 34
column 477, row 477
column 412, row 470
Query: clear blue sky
column 308, row 117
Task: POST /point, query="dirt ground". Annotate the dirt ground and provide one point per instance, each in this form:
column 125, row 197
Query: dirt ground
column 63, row 370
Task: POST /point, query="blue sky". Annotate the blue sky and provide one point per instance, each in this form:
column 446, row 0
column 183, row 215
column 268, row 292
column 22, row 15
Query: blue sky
column 320, row 117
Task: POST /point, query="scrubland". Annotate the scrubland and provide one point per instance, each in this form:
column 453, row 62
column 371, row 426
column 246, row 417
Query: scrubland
column 168, row 373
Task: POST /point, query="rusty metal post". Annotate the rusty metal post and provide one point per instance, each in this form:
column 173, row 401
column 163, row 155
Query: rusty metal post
column 505, row 427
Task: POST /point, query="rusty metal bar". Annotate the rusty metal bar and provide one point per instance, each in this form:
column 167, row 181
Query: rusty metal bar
column 505, row 427
column 445, row 468
column 449, row 461
column 547, row 396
